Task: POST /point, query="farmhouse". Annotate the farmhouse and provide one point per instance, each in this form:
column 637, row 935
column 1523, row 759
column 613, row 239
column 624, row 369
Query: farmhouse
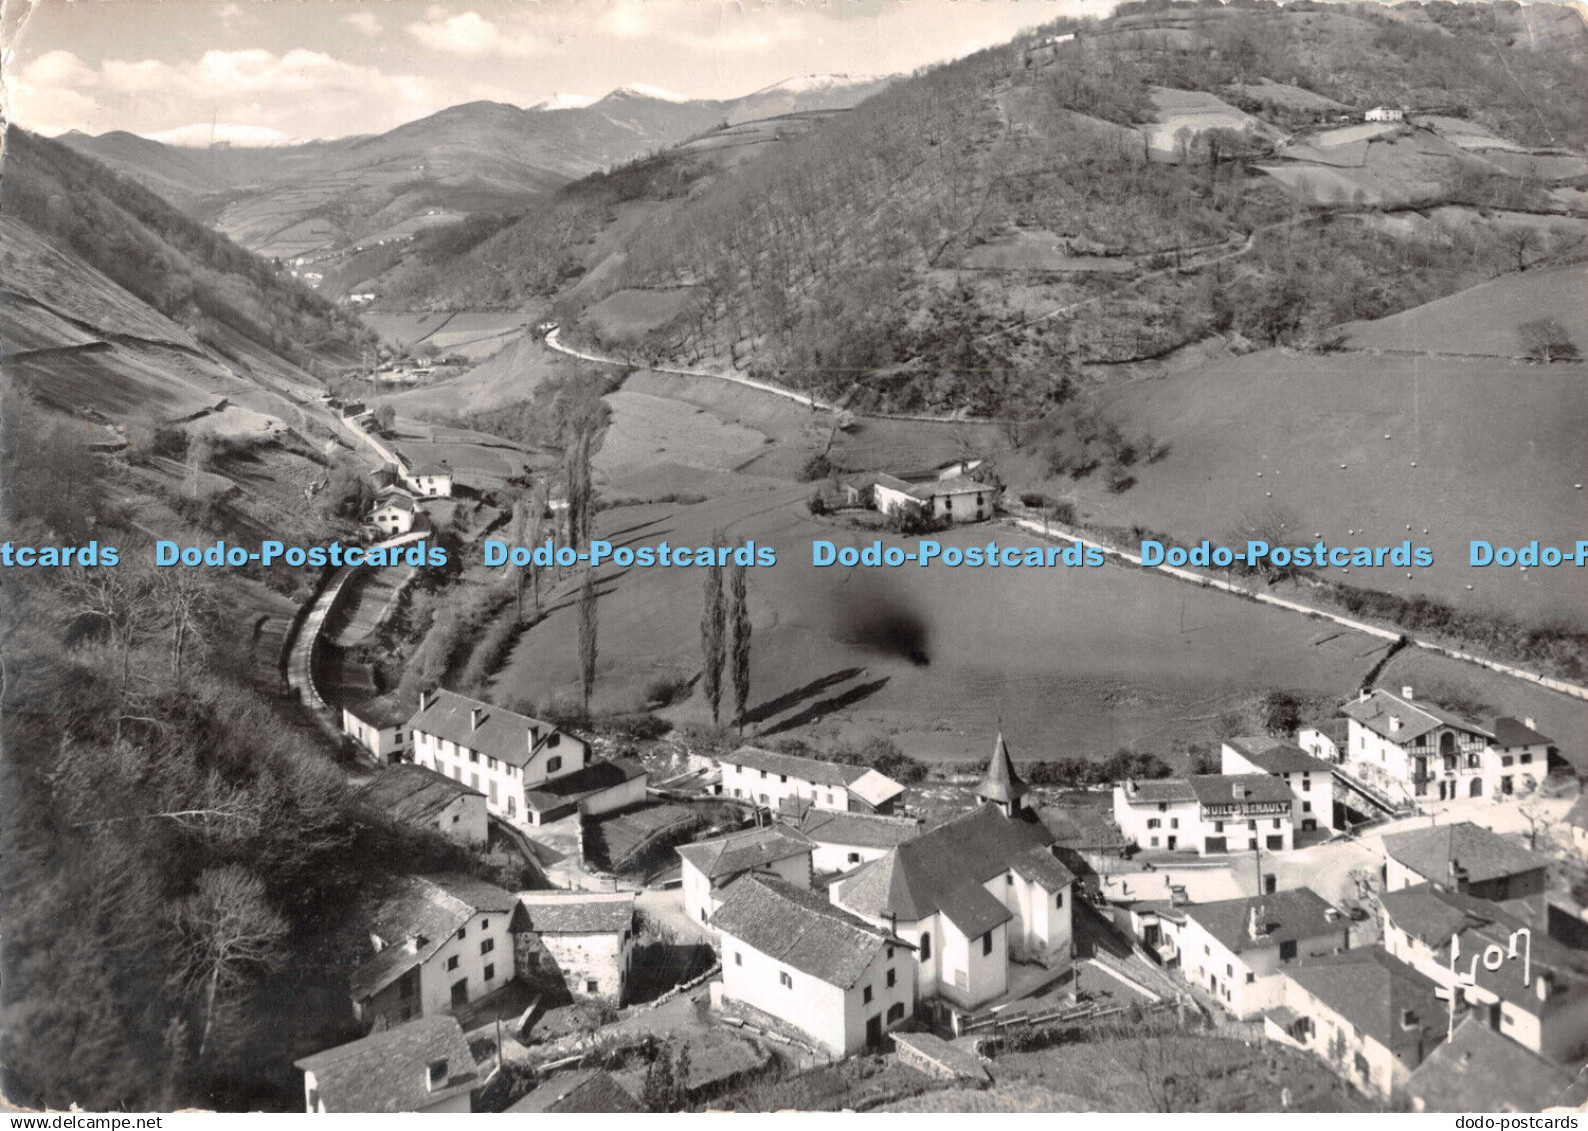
column 1519, row 981
column 439, row 942
column 1479, row 1070
column 954, row 498
column 529, row 770
column 421, row 797
column 845, row 840
column 1466, row 858
column 1385, row 114
column 1237, row 949
column 421, row 1065
column 1208, row 813
column 709, row 866
column 429, row 480
column 767, row 778
column 374, row 728
column 1369, row 1015
column 394, row 513
column 970, row 895
column 1328, row 741
column 789, row 953
column 582, row 940
column 1309, row 780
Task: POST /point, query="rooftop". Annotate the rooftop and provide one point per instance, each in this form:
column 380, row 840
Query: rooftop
column 427, row 910
column 1001, row 783
column 810, row 769
column 1480, row 1070
column 413, row 793
column 801, row 929
column 863, row 830
column 574, row 913
column 944, row 868
column 1081, row 827
column 1403, row 720
column 1275, row 755
column 726, row 856
column 389, row 1071
column 587, row 1092
column 1224, row 789
column 1479, row 853
column 495, row 732
column 1378, row 994
column 572, row 788
column 435, row 468
column 1162, row 790
column 1509, row 732
column 1281, row 916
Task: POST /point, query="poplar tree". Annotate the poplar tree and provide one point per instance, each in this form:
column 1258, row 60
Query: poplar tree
column 739, row 626
column 711, row 637
column 587, row 637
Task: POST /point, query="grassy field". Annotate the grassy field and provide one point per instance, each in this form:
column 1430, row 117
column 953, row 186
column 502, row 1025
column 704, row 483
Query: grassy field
column 1067, row 661
column 1367, row 449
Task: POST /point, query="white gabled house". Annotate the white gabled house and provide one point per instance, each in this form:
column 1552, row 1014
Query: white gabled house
column 1237, row 949
column 429, row 480
column 584, row 940
column 394, row 513
column 1310, row 781
column 1210, row 814
column 789, row 953
column 768, row 778
column 530, row 771
column 709, row 866
column 422, row 1065
column 423, row 798
column 376, row 731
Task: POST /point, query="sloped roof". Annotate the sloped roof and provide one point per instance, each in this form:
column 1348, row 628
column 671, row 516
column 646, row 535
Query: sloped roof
column 427, row 909
column 389, row 1071
column 1416, row 718
column 1509, row 732
column 1222, row 789
column 1378, row 994
column 725, row 856
column 1170, row 790
column 801, row 929
column 1275, row 755
column 399, row 499
column 430, row 469
column 806, row 769
column 1282, row 916
column 413, row 793
column 1480, row 1070
column 1041, row 867
column 875, row 788
column 570, row 788
column 956, row 485
column 574, row 913
column 944, row 869
column 504, row 735
column 862, row 830
column 1000, row 782
column 1483, row 855
column 1081, row 827
column 591, row 1091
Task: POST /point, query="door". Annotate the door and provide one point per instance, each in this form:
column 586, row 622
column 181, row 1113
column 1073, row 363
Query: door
column 874, row 1032
column 1276, row 842
column 460, row 992
column 1171, row 841
column 1217, row 844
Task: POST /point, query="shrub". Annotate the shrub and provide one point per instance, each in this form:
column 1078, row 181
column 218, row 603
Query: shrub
column 817, row 467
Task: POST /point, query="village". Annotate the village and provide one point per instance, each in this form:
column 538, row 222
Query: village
column 1388, row 891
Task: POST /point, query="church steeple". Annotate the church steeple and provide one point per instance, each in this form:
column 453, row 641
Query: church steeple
column 1001, row 785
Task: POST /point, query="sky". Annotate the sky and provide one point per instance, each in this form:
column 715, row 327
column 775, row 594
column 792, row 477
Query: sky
column 270, row 71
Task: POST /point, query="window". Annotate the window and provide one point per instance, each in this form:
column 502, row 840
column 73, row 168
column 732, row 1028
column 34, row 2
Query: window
column 854, row 857
column 474, row 756
column 438, row 1073
column 462, row 931
column 487, row 946
column 484, row 924
column 738, row 959
column 1229, row 970
column 1154, row 843
column 1526, row 758
column 452, row 963
column 763, row 799
column 763, row 775
column 1153, row 823
column 784, row 979
column 490, row 971
column 1250, row 977
column 1009, row 879
column 474, row 781
column 986, row 943
column 1218, row 826
column 1252, row 825
column 1306, row 806
column 553, row 764
column 926, row 947
column 893, row 978
column 1163, row 807
column 782, row 777
column 890, row 954
column 1174, row 822
column 1276, row 822
column 591, row 986
column 1507, row 760
column 1058, row 899
column 1306, row 785
column 1287, row 950
column 865, row 996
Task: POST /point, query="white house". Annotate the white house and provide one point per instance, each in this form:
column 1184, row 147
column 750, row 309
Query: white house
column 969, row 895
column 372, row 728
column 428, row 480
column 1367, row 1014
column 422, row 1065
column 1209, row 813
column 788, row 953
column 530, row 771
column 1516, row 978
column 844, row 841
column 585, row 940
column 1310, row 781
column 419, row 796
column 1464, row 857
column 439, row 942
column 957, row 499
column 1414, row 749
column 1517, row 759
column 394, row 513
column 1385, row 114
column 1328, row 741
column 1236, row 949
column 768, row 778
column 709, row 866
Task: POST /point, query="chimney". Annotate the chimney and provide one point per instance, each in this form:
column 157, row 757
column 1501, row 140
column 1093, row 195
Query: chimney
column 424, row 700
column 1528, row 723
column 1406, row 693
column 1408, row 1019
column 1253, row 930
column 1394, row 725
column 475, row 714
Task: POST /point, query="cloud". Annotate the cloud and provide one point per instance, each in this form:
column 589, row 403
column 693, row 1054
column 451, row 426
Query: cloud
column 471, row 36
column 365, row 23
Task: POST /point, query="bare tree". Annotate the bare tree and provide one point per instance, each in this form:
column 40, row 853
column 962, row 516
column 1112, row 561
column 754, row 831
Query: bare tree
column 227, row 935
column 188, row 602
column 122, row 601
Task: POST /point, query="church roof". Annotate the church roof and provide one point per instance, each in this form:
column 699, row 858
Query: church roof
column 1001, row 783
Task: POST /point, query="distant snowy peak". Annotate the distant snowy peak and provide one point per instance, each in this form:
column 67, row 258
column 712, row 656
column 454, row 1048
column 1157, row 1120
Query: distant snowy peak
column 804, row 84
column 564, row 102
column 643, row 90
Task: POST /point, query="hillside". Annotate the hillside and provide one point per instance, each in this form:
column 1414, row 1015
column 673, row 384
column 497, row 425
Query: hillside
column 310, row 200
column 226, row 298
